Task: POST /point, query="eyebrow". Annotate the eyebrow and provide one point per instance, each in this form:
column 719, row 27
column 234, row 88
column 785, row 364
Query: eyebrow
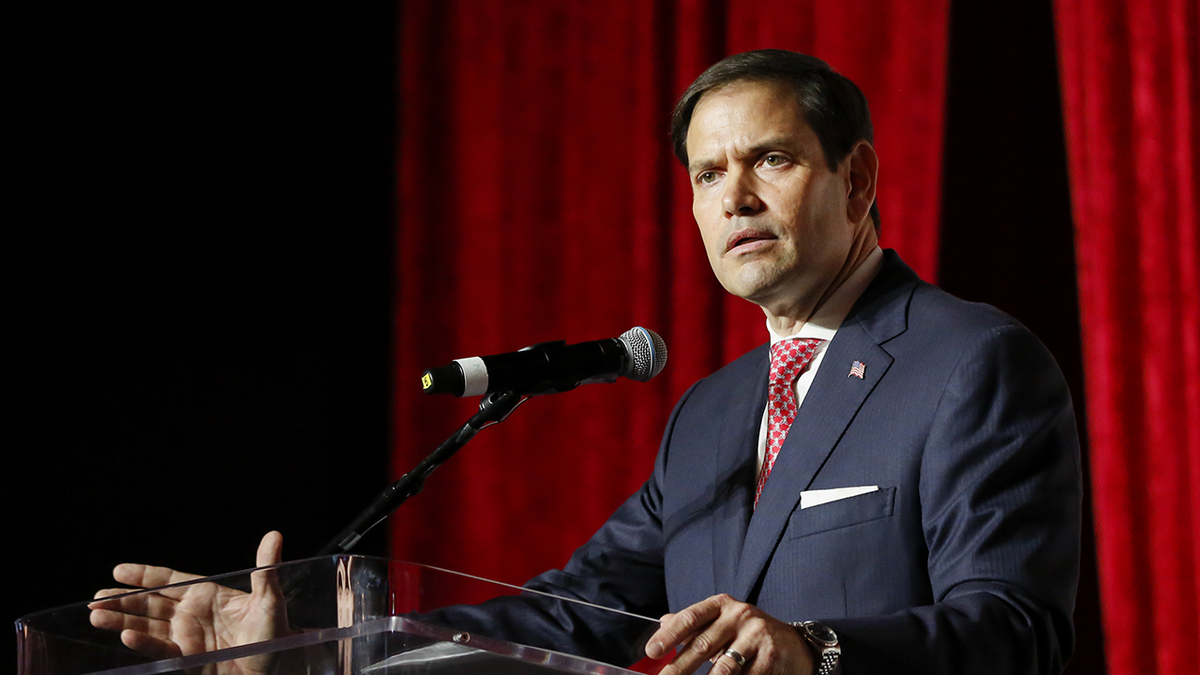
column 765, row 145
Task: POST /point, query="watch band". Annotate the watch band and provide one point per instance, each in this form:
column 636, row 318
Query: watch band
column 825, row 642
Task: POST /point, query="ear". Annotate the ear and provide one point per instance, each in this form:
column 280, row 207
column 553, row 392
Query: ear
column 862, row 166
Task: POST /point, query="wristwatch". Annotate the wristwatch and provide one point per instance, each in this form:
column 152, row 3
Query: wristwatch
column 825, row 642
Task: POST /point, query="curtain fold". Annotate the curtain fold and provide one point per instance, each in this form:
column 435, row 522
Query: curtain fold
column 1130, row 74
column 539, row 200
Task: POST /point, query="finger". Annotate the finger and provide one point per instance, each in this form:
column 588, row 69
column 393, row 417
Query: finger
column 711, row 639
column 734, row 659
column 270, row 552
column 151, row 605
column 153, row 647
column 264, row 585
column 118, row 621
column 707, row 645
column 110, row 592
column 148, row 576
column 678, row 627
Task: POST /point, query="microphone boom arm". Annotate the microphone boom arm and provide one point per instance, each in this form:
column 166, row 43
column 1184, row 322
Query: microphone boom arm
column 493, row 409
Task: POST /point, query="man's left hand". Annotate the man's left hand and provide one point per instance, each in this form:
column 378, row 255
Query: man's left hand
column 704, row 631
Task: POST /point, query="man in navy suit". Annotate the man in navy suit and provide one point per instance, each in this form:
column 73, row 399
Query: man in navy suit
column 892, row 486
column 923, row 513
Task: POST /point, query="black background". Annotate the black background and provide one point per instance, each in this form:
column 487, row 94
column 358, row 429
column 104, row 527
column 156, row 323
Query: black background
column 201, row 247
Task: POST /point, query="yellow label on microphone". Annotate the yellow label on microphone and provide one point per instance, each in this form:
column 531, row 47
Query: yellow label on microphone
column 426, row 381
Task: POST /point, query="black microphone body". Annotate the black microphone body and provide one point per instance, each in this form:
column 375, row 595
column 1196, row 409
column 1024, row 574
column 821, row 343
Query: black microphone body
column 552, row 367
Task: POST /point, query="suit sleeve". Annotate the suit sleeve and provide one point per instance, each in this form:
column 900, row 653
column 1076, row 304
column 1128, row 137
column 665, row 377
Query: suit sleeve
column 1000, row 493
column 620, row 567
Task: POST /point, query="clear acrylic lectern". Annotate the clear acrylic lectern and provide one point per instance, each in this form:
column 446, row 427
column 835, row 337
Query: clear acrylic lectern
column 345, row 615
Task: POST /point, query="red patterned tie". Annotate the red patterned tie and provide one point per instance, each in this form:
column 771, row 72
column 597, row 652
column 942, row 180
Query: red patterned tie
column 789, row 358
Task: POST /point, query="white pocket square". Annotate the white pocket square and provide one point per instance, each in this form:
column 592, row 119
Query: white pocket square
column 811, row 498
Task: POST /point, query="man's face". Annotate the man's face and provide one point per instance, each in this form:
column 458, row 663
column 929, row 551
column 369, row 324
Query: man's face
column 772, row 215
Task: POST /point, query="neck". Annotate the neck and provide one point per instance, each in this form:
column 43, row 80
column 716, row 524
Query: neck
column 789, row 319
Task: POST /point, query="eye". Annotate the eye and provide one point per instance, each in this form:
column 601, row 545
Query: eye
column 706, row 176
column 774, row 160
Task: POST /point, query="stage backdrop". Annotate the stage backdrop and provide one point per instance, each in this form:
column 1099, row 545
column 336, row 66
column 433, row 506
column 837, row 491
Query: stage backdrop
column 1130, row 74
column 539, row 200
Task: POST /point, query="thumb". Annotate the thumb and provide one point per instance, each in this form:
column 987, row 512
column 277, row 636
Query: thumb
column 264, row 583
column 270, row 550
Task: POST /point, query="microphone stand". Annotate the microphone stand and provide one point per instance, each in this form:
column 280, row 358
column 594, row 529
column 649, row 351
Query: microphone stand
column 494, row 408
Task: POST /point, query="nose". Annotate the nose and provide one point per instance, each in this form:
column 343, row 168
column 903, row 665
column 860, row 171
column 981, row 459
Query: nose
column 740, row 197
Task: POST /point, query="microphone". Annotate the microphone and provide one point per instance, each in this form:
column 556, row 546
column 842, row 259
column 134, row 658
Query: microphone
column 552, row 367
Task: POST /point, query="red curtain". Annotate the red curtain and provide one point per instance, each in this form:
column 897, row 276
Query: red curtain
column 539, row 200
column 1130, row 75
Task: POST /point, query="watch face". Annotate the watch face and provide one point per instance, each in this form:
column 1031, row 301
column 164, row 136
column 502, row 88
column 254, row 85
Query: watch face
column 821, row 632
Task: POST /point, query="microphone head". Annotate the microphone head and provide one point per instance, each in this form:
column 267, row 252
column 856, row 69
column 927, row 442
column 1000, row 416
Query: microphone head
column 647, row 351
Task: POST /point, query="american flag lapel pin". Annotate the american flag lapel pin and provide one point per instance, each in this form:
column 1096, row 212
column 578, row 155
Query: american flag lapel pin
column 858, row 369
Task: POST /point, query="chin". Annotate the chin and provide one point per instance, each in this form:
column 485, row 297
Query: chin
column 752, row 284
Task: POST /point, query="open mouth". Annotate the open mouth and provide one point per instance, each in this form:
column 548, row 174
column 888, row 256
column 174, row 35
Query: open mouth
column 746, row 238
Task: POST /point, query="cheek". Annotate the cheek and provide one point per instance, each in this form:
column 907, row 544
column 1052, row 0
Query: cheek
column 710, row 234
column 711, row 245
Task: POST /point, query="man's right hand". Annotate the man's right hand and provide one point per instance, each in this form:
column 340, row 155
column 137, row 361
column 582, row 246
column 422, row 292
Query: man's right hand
column 197, row 618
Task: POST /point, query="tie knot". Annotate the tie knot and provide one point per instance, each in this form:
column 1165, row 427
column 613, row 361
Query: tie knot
column 790, row 357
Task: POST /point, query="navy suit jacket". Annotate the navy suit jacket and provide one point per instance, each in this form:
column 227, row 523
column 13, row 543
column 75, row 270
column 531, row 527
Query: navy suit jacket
column 966, row 558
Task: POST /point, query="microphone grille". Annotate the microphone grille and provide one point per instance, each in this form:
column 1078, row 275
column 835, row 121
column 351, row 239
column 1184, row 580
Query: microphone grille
column 648, row 350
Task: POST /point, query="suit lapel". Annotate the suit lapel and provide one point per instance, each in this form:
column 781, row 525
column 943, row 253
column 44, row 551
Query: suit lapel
column 735, row 467
column 831, row 404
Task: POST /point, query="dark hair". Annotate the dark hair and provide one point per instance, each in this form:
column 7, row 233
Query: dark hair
column 832, row 105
